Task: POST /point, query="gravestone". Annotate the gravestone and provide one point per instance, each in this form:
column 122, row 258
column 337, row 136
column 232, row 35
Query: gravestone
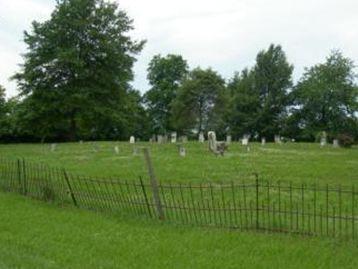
column 277, row 139
column 245, row 140
column 323, row 141
column 135, row 151
column 81, row 141
column 153, row 138
column 53, row 147
column 159, row 139
column 132, row 140
column 263, row 141
column 335, row 143
column 201, row 137
column 183, row 139
column 228, row 139
column 116, row 149
column 182, row 152
column 173, row 137
column 217, row 147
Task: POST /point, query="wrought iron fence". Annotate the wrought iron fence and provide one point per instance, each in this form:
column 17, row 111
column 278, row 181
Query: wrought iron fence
column 251, row 204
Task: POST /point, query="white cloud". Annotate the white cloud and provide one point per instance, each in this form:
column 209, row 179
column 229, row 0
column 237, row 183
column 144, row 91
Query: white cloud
column 225, row 35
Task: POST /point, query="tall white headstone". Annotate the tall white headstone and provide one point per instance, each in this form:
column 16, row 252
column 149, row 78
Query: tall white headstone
column 245, row 140
column 323, row 141
column 182, row 152
column 277, row 139
column 263, row 141
column 132, row 140
column 159, row 139
column 228, row 139
column 201, row 137
column 173, row 137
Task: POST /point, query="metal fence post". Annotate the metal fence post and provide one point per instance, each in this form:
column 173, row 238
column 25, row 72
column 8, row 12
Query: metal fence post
column 19, row 173
column 69, row 188
column 154, row 184
column 145, row 196
column 24, row 179
column 257, row 200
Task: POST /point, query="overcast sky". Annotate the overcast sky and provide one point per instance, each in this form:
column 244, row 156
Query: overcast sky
column 225, row 35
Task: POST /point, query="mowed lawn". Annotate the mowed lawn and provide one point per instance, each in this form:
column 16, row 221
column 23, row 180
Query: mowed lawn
column 298, row 162
column 35, row 234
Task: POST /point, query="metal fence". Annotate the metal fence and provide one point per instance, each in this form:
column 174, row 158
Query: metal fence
column 251, row 204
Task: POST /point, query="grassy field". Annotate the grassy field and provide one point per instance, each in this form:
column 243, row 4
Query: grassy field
column 294, row 161
column 39, row 235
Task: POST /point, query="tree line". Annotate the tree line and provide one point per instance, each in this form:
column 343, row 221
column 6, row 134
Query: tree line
column 74, row 84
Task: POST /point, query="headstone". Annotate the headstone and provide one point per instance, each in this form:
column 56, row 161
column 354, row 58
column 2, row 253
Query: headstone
column 184, row 139
column 159, row 139
column 217, row 147
column 81, row 141
column 277, row 139
column 323, row 141
column 153, row 138
column 201, row 137
column 135, row 151
column 116, row 150
column 53, row 147
column 150, row 140
column 182, row 152
column 245, row 140
column 132, row 140
column 173, row 137
column 263, row 141
column 335, row 143
column 228, row 139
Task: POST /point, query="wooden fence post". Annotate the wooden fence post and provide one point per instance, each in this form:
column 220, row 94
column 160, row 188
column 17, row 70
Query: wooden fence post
column 69, row 188
column 154, row 184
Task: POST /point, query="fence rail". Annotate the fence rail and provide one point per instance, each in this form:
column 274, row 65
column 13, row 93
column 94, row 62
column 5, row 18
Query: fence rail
column 252, row 204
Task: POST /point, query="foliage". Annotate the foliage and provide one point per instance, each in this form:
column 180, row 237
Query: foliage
column 326, row 97
column 345, row 140
column 165, row 75
column 76, row 70
column 199, row 102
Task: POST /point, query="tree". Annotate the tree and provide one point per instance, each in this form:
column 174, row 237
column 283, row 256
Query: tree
column 165, row 75
column 272, row 80
column 199, row 101
column 77, row 68
column 326, row 98
column 244, row 105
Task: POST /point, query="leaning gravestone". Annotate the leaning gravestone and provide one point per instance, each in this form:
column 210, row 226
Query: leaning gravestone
column 263, row 141
column 116, row 150
column 201, row 137
column 335, row 143
column 228, row 139
column 173, row 137
column 132, row 140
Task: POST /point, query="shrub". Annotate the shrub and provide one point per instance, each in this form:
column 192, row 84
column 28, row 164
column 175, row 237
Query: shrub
column 345, row 140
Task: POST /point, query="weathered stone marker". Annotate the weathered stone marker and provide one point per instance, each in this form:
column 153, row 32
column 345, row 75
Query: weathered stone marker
column 132, row 140
column 116, row 150
column 228, row 139
column 263, row 141
column 335, row 143
column 53, row 147
column 201, row 137
column 173, row 137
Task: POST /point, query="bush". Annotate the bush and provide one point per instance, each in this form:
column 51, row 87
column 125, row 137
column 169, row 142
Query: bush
column 345, row 140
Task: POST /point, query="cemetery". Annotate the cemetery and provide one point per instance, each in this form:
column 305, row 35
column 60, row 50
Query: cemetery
column 175, row 139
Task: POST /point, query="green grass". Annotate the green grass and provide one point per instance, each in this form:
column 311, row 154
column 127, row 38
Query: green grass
column 38, row 235
column 297, row 162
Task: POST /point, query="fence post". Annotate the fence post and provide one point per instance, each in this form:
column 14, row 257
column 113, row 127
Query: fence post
column 145, row 196
column 257, row 200
column 154, row 184
column 24, row 179
column 69, row 187
column 19, row 173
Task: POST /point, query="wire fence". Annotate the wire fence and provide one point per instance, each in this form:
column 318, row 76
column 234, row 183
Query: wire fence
column 251, row 204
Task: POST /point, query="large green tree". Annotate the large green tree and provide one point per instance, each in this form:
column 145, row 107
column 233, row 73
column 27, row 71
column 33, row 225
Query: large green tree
column 260, row 95
column 165, row 75
column 244, row 104
column 77, row 68
column 326, row 98
column 199, row 103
